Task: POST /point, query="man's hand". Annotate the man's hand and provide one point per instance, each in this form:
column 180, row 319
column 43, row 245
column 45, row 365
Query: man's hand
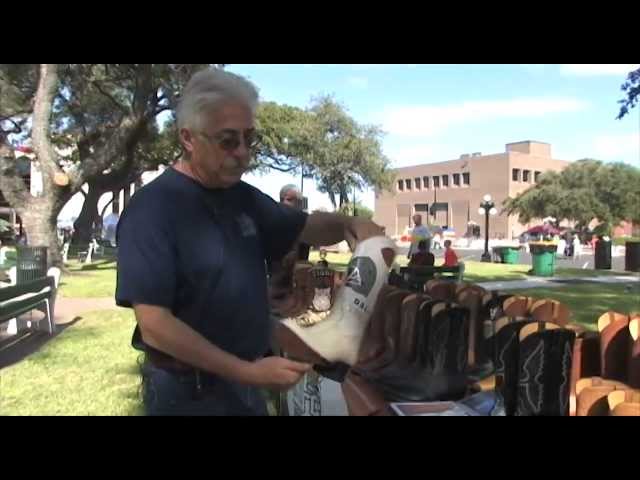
column 358, row 229
column 276, row 373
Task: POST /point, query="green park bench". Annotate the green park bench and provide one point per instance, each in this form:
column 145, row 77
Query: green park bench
column 87, row 252
column 417, row 276
column 22, row 298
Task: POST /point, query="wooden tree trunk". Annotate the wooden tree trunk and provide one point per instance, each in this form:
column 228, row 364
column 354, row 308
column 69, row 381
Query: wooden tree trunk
column 40, row 224
column 83, row 226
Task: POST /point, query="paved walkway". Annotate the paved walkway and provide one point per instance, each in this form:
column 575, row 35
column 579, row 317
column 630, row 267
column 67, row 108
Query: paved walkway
column 68, row 309
column 552, row 282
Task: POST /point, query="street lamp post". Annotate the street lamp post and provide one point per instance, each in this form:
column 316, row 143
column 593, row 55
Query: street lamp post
column 487, row 207
column 355, row 212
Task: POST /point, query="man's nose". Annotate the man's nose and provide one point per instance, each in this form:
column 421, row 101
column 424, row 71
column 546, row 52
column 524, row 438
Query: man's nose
column 242, row 151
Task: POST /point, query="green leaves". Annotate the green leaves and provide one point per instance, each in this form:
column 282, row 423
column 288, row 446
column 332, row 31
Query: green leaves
column 4, row 225
column 632, row 89
column 324, row 142
column 584, row 191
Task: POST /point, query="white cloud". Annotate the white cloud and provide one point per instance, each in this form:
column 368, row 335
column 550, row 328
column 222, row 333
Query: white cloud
column 428, row 120
column 593, row 69
column 624, row 146
column 358, row 82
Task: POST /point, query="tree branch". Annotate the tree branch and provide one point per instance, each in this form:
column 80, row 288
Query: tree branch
column 144, row 89
column 157, row 111
column 17, row 126
column 15, row 114
column 114, row 148
column 45, row 93
column 11, row 184
column 280, row 169
column 117, row 104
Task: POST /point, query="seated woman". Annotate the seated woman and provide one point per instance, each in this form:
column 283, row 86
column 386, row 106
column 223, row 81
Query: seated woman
column 422, row 258
column 450, row 256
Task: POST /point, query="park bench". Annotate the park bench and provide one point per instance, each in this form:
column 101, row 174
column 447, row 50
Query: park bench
column 417, row 276
column 86, row 253
column 25, row 297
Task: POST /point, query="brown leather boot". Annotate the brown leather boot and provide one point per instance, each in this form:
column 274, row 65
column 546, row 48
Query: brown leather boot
column 624, row 403
column 634, row 359
column 547, row 310
column 592, row 396
column 379, row 344
column 615, row 346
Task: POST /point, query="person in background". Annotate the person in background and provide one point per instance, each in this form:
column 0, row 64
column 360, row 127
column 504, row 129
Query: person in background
column 419, row 232
column 450, row 256
column 437, row 241
column 291, row 195
column 422, row 258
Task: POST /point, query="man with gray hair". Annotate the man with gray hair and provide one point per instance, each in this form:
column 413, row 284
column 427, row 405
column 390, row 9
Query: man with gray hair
column 291, row 195
column 192, row 249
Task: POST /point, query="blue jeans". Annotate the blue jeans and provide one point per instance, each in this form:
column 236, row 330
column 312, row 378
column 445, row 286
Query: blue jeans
column 168, row 393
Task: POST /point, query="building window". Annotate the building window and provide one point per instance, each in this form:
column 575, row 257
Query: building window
column 418, row 183
column 456, row 179
column 407, row 183
column 466, row 179
column 526, row 175
column 436, row 182
column 425, row 182
column 515, row 174
column 445, row 181
column 536, row 175
column 421, row 208
column 400, row 185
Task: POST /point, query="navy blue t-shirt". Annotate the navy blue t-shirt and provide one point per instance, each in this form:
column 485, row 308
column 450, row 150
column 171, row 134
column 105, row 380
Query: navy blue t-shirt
column 201, row 253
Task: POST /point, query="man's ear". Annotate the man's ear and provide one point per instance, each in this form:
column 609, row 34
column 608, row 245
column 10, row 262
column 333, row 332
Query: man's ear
column 186, row 138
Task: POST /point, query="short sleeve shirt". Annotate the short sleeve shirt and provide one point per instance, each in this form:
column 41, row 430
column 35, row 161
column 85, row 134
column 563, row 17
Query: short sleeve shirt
column 201, row 253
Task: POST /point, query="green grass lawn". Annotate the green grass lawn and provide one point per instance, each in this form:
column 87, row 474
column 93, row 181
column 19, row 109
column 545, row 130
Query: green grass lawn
column 588, row 302
column 89, row 369
column 89, row 281
column 479, row 271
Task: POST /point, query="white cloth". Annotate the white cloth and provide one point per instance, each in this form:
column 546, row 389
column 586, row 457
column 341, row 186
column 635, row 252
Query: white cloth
column 577, row 248
column 418, row 233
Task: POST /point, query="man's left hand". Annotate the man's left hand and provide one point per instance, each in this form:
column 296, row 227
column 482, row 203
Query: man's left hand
column 359, row 229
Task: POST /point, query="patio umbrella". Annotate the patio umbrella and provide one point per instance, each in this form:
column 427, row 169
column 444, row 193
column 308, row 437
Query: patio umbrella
column 545, row 229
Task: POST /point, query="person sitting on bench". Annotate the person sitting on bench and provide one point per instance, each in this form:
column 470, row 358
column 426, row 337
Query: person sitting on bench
column 450, row 256
column 422, row 258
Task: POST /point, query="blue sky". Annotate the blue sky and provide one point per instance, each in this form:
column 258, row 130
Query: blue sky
column 432, row 113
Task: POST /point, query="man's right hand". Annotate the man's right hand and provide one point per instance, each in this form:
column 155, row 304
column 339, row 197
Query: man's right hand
column 276, row 373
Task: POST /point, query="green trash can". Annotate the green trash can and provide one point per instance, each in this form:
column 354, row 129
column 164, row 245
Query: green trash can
column 544, row 263
column 511, row 256
column 31, row 263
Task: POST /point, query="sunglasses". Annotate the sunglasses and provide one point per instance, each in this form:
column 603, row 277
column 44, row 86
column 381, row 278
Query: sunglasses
column 230, row 140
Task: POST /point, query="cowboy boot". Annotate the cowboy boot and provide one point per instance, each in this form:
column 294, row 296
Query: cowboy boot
column 624, row 403
column 634, row 359
column 545, row 355
column 615, row 346
column 337, row 337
